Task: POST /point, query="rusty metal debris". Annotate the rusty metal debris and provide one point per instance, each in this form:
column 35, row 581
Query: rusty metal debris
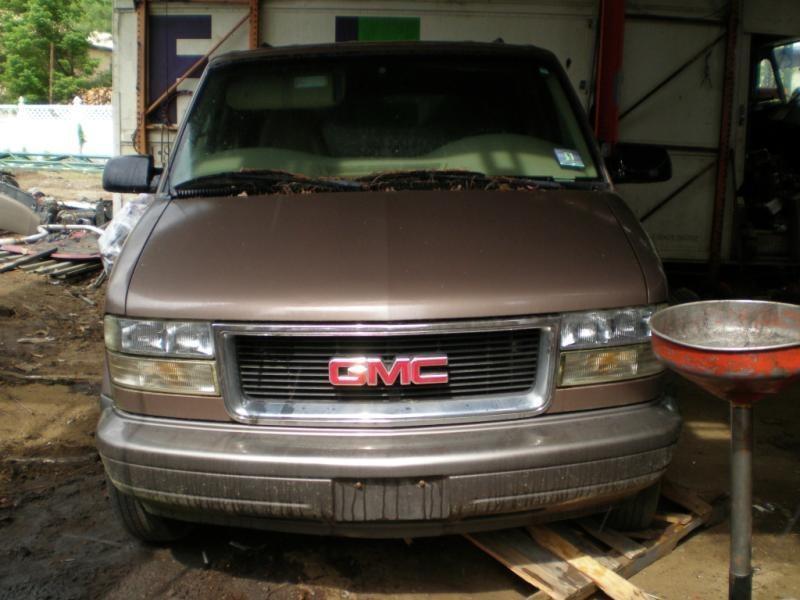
column 26, row 259
column 49, row 237
column 58, row 251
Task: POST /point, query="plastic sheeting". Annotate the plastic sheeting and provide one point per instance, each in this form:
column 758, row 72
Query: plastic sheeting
column 113, row 239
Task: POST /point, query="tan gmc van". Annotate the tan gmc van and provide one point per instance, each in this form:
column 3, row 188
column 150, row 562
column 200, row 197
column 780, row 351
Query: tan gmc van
column 384, row 290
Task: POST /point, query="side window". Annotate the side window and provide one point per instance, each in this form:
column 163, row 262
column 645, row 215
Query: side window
column 788, row 59
column 766, row 87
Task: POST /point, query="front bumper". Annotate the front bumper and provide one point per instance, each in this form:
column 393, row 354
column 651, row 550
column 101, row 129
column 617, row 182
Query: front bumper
column 399, row 482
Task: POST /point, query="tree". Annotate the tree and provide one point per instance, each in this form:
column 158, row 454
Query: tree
column 44, row 50
column 96, row 15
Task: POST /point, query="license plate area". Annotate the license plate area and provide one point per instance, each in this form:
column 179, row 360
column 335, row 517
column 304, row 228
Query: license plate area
column 390, row 499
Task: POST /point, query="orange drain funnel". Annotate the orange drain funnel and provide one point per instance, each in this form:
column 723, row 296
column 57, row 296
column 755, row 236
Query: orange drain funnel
column 740, row 351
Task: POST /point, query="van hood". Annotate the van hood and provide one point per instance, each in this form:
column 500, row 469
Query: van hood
column 385, row 256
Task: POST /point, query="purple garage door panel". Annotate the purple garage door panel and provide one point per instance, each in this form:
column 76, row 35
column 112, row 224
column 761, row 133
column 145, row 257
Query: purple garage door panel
column 165, row 64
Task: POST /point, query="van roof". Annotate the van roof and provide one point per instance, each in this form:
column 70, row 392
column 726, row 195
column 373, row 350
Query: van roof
column 461, row 49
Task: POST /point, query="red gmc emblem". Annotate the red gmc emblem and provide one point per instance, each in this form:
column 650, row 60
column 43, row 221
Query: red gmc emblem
column 371, row 370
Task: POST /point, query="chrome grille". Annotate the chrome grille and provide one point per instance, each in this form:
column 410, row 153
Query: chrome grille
column 295, row 368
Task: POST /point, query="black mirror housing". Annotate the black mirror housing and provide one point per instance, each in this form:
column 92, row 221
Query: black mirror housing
column 639, row 163
column 129, row 174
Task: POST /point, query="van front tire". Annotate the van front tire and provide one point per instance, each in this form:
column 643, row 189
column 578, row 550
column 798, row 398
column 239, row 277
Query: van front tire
column 144, row 526
column 637, row 512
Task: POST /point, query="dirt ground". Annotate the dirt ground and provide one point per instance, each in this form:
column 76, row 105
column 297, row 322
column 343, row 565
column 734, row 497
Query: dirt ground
column 58, row 538
column 63, row 185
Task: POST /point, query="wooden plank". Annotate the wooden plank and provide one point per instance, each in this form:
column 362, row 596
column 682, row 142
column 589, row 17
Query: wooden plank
column 662, row 546
column 621, row 543
column 531, row 563
column 27, row 259
column 57, row 265
column 38, row 265
column 686, row 498
column 577, row 538
column 75, row 270
column 680, row 518
column 627, row 556
column 644, row 534
column 607, row 580
column 657, row 549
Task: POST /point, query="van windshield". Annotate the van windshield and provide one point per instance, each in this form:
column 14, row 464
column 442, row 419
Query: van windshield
column 353, row 117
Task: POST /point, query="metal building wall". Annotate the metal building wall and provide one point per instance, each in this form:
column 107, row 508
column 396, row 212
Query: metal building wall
column 660, row 38
column 565, row 27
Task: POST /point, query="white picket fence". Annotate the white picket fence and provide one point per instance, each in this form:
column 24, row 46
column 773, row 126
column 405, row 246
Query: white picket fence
column 54, row 129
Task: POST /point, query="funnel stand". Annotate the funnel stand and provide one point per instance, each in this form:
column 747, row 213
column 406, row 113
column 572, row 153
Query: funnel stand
column 741, row 573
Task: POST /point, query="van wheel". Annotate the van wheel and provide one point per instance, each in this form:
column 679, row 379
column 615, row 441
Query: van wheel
column 141, row 524
column 636, row 512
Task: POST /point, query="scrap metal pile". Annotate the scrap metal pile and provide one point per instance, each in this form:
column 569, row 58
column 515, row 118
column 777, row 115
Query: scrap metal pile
column 49, row 236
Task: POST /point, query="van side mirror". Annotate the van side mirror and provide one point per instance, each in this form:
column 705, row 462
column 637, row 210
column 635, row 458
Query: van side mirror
column 639, row 163
column 129, row 174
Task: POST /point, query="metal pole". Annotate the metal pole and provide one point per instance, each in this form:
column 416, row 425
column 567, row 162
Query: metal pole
column 255, row 23
column 741, row 574
column 721, row 187
column 142, row 74
column 609, row 70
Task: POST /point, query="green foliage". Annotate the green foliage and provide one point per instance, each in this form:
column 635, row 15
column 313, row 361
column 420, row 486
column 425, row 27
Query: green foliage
column 100, row 79
column 28, row 28
column 96, row 15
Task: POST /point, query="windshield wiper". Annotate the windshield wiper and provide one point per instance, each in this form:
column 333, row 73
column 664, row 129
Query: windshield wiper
column 532, row 181
column 232, row 183
column 265, row 181
column 454, row 180
column 423, row 179
column 581, row 183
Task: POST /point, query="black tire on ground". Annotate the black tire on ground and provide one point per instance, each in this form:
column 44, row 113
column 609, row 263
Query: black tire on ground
column 141, row 524
column 636, row 512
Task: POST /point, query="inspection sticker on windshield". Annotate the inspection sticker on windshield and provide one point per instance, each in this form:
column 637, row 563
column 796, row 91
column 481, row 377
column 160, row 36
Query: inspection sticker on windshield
column 306, row 82
column 568, row 159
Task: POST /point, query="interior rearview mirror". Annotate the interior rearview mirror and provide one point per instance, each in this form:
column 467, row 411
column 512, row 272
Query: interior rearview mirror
column 639, row 163
column 129, row 174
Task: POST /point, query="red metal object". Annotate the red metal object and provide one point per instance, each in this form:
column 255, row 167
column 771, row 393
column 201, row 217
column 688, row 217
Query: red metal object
column 740, row 351
column 609, row 70
column 740, row 377
column 75, row 246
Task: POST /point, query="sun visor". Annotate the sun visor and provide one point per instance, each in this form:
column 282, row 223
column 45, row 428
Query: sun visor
column 283, row 91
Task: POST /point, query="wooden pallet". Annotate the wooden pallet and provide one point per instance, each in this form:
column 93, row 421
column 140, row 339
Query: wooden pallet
column 574, row 559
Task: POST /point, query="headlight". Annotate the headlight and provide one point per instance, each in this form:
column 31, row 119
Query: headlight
column 604, row 346
column 159, row 338
column 585, row 367
column 606, row 327
column 161, row 356
column 196, row 377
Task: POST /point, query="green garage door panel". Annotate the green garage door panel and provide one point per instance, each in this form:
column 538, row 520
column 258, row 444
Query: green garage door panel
column 377, row 29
